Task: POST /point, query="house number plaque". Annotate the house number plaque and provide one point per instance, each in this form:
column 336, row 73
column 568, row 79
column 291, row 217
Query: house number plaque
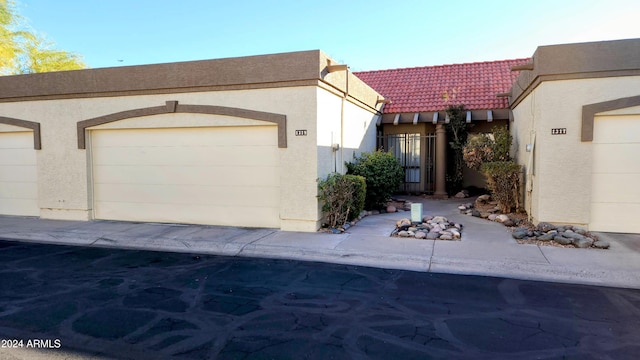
column 559, row 131
column 301, row 132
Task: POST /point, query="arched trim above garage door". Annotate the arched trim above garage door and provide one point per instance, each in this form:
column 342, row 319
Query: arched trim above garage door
column 25, row 124
column 174, row 107
column 589, row 112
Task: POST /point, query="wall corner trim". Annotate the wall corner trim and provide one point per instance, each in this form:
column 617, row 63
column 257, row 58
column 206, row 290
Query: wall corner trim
column 173, row 107
column 589, row 112
column 28, row 125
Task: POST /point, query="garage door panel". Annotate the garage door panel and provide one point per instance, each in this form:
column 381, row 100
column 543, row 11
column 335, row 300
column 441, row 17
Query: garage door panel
column 18, row 175
column 616, row 158
column 16, row 140
column 13, row 156
column 189, row 175
column 218, row 175
column 221, row 136
column 188, row 156
column 616, row 129
column 201, row 214
column 615, row 188
column 615, row 217
column 615, row 196
column 19, row 207
column 18, row 190
column 177, row 194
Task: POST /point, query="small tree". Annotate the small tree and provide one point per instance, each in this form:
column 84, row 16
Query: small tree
column 383, row 174
column 23, row 51
column 457, row 134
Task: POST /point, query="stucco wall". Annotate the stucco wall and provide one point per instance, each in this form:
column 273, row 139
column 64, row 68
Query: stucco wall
column 344, row 123
column 562, row 181
column 64, row 186
column 523, row 131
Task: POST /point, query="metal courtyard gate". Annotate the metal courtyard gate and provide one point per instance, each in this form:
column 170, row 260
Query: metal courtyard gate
column 416, row 154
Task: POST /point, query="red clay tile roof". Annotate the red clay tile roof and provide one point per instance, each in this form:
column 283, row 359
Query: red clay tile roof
column 434, row 88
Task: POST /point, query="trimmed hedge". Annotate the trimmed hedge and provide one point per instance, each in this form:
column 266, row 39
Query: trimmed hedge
column 343, row 198
column 383, row 174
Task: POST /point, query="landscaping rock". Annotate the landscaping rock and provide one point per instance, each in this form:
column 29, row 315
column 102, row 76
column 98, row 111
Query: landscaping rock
column 420, row 235
column 546, row 237
column 427, row 218
column 432, row 228
column 545, row 227
column 475, row 213
column 483, row 199
column 601, row 244
column 509, row 223
column 446, row 236
column 492, row 217
column 462, row 194
column 572, row 235
column 562, row 240
column 520, row 233
column 439, row 219
column 580, row 231
column 583, row 243
column 391, row 209
column 502, row 218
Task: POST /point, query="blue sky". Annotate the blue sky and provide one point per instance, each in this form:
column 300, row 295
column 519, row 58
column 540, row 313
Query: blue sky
column 365, row 34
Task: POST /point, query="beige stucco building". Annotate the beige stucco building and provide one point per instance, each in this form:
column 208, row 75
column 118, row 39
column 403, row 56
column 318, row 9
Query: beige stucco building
column 238, row 142
column 243, row 141
column 576, row 127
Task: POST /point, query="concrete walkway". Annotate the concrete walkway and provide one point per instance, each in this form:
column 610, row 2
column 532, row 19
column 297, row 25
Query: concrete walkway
column 486, row 248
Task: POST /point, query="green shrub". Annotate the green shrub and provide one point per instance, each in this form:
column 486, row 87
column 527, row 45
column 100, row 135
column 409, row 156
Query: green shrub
column 359, row 185
column 484, row 148
column 383, row 174
column 342, row 197
column 502, row 143
column 503, row 180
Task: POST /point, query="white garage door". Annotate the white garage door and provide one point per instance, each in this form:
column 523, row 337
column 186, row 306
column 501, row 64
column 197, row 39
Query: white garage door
column 615, row 196
column 18, row 176
column 218, row 175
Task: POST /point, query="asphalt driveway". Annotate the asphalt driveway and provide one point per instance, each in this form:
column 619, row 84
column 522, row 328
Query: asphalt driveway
column 130, row 304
